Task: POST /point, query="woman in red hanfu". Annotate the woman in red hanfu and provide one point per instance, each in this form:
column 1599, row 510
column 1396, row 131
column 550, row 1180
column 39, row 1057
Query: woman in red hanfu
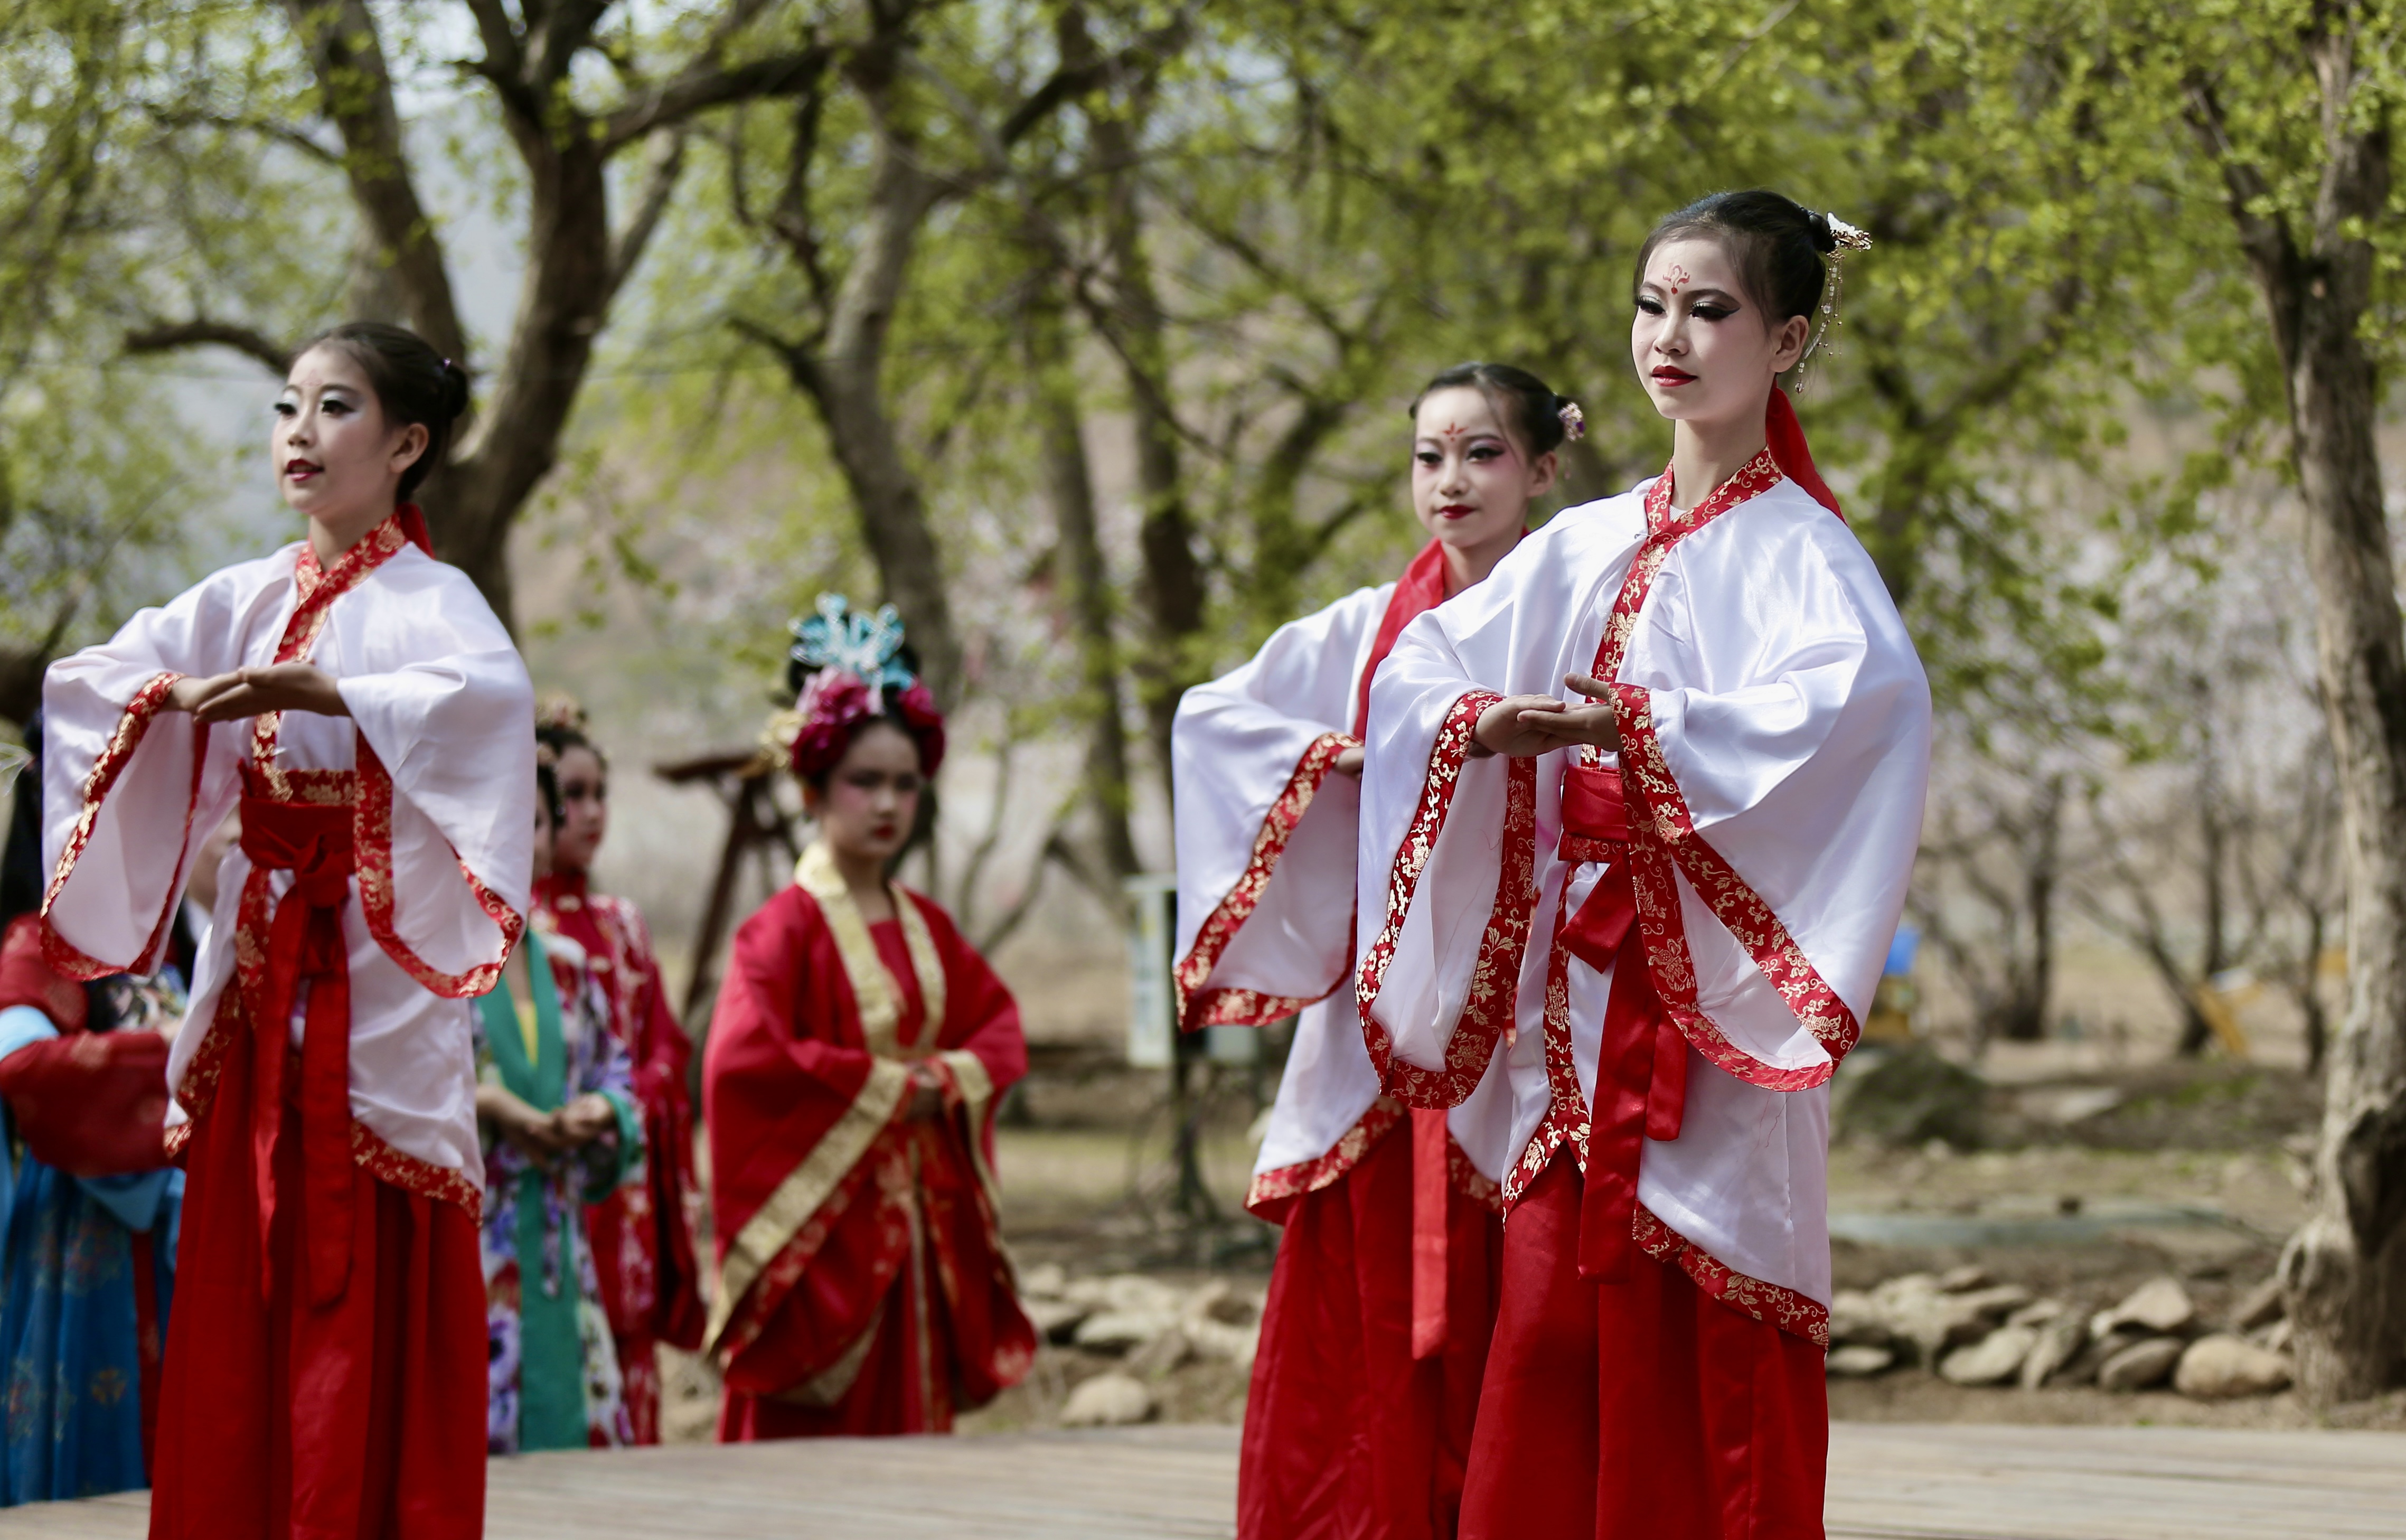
column 849, row 1089
column 325, row 1361
column 1375, row 1335
column 642, row 1234
column 1709, row 841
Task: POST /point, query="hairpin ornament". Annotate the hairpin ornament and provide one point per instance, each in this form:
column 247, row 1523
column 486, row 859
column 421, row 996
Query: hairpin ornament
column 866, row 647
column 1573, row 421
column 1847, row 238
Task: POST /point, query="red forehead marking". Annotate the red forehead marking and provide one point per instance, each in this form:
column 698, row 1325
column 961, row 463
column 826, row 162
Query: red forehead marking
column 1453, row 429
column 1680, row 278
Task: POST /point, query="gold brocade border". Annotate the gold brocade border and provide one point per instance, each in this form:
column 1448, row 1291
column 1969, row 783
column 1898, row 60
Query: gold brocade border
column 807, row 1186
column 975, row 1088
column 1198, row 1007
column 132, row 725
column 874, row 990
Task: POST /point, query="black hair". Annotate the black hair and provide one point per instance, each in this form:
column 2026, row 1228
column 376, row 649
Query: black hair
column 1777, row 245
column 413, row 383
column 558, row 737
column 1526, row 402
column 547, row 785
column 21, row 868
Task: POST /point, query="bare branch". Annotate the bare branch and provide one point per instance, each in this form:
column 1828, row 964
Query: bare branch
column 702, row 86
column 172, row 336
column 667, row 162
column 288, row 135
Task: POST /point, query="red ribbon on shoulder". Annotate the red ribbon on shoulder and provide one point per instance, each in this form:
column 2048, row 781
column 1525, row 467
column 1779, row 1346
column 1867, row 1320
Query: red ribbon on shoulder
column 413, row 524
column 1791, row 453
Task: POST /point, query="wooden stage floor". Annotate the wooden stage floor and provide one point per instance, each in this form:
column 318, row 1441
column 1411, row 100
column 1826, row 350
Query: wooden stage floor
column 1887, row 1482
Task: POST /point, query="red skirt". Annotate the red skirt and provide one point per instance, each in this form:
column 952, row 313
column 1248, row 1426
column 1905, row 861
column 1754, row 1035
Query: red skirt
column 365, row 1418
column 1643, row 1410
column 1346, row 1434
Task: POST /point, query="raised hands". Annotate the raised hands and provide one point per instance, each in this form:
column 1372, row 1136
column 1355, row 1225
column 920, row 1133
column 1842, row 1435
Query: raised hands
column 1520, row 725
column 249, row 692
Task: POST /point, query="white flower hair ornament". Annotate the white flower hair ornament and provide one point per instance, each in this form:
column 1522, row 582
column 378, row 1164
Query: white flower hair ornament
column 866, row 647
column 1843, row 238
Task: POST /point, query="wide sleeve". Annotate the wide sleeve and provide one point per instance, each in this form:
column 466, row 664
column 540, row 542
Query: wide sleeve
column 1265, row 836
column 662, row 1055
column 1454, row 847
column 1775, row 773
column 982, row 1051
column 604, row 1069
column 130, row 787
column 791, row 1099
column 445, row 718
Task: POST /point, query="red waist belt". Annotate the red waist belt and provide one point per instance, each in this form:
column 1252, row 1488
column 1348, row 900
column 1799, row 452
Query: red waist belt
column 303, row 942
column 1641, row 1070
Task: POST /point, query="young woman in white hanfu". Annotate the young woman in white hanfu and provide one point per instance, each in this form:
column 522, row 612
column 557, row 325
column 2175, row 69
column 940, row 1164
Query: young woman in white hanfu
column 1375, row 1336
column 325, row 1365
column 1665, row 898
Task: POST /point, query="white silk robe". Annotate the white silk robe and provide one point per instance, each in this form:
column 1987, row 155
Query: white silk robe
column 437, row 691
column 1775, row 727
column 1265, row 840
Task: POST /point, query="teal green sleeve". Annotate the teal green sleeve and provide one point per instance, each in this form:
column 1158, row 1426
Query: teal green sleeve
column 603, row 1175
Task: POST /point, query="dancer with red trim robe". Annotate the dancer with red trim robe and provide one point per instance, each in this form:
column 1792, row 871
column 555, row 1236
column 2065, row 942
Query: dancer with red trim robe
column 642, row 1234
column 325, row 1364
column 1375, row 1334
column 1715, row 831
column 849, row 1088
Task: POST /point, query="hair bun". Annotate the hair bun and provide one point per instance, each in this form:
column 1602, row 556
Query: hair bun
column 1825, row 240
column 455, row 389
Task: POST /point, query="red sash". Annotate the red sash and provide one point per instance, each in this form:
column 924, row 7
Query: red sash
column 303, row 942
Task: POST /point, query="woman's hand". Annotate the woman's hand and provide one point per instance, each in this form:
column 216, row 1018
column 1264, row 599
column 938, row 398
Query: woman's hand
column 1349, row 762
column 587, row 1118
column 248, row 692
column 925, row 1100
column 534, row 1135
column 1518, row 726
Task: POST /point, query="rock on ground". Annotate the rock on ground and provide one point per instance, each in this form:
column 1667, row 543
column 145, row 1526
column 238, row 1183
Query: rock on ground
column 2160, row 1305
column 1860, row 1360
column 1160, row 1356
column 2059, row 1342
column 2141, row 1365
column 1993, row 1360
column 1118, row 1331
column 2217, row 1368
column 1055, row 1320
column 2265, row 1304
column 1107, row 1401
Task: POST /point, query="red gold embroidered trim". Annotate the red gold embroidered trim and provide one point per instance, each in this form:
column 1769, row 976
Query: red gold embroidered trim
column 1663, row 833
column 1197, row 1007
column 1565, row 1122
column 1785, row 1308
column 132, row 727
column 314, row 594
column 372, row 838
column 1487, row 1012
column 411, row 1175
column 1667, row 835
column 1273, row 1192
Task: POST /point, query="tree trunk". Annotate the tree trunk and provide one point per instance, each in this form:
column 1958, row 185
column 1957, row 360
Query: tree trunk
column 844, row 378
column 2345, row 1271
column 470, row 505
column 1086, row 585
column 1173, row 584
column 2026, row 1013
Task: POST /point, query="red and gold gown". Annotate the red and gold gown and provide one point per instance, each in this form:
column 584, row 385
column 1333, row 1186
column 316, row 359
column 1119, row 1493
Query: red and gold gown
column 862, row 1285
column 642, row 1234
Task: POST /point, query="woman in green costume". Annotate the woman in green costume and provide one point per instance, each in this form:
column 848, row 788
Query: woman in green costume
column 561, row 1129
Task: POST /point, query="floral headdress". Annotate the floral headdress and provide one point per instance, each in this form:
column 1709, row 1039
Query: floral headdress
column 856, row 663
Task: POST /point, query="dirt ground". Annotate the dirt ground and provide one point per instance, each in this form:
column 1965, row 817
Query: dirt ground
column 2194, row 1171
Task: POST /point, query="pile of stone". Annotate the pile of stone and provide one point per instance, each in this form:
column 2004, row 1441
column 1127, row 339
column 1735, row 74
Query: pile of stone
column 1151, row 1327
column 1971, row 1330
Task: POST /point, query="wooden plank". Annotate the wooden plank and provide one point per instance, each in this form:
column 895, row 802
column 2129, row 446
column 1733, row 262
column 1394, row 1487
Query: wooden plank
column 1887, row 1482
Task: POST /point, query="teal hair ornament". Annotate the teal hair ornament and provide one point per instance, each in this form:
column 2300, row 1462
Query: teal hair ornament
column 866, row 647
